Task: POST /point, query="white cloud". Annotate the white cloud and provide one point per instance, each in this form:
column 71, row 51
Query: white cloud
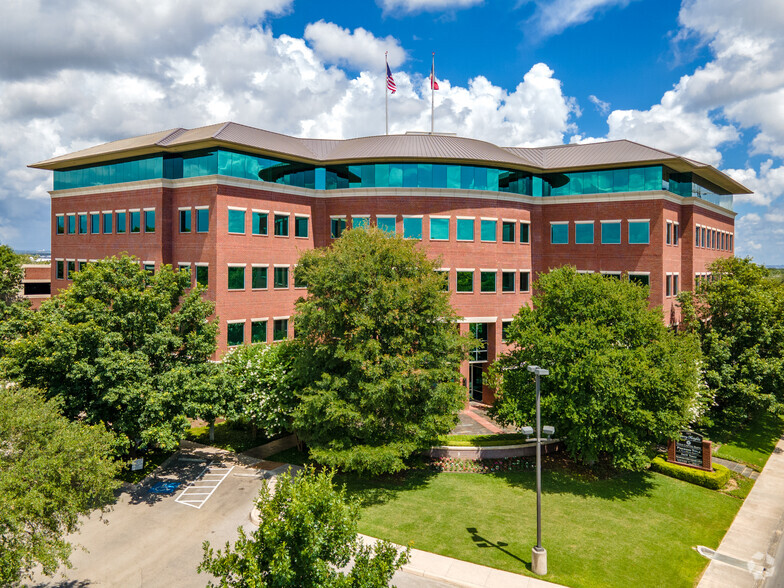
column 426, row 5
column 602, row 106
column 768, row 184
column 554, row 16
column 360, row 49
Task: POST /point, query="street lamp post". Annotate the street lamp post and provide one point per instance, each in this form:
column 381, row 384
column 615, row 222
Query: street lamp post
column 538, row 553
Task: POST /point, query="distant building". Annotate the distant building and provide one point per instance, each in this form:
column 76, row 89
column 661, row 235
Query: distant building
column 37, row 283
column 236, row 205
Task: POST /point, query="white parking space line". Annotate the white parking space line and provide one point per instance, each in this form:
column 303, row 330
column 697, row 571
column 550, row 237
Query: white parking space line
column 197, row 492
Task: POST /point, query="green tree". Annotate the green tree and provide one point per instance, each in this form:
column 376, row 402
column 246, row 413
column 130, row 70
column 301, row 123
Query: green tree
column 619, row 380
column 307, row 533
column 377, row 366
column 51, row 471
column 739, row 317
column 11, row 275
column 120, row 346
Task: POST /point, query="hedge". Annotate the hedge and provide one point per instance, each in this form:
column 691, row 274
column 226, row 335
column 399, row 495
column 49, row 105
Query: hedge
column 714, row 480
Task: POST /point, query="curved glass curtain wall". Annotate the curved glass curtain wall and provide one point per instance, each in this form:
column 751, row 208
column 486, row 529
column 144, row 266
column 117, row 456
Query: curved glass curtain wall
column 388, row 175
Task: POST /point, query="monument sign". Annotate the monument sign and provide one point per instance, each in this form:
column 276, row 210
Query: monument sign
column 691, row 450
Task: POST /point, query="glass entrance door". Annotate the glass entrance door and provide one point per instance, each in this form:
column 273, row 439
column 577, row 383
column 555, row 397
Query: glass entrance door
column 475, row 381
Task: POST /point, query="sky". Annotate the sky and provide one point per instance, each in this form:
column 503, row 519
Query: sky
column 700, row 78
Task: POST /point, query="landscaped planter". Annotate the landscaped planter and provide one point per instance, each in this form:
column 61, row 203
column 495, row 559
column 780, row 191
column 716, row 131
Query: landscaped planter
column 495, row 452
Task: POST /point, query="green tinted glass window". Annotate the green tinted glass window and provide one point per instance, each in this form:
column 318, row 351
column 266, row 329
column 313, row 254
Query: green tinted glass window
column 301, row 226
column 202, row 275
column 185, row 221
column 639, row 232
column 258, row 278
column 60, row 270
column 82, row 224
column 258, row 332
column 508, row 232
column 71, row 270
column 280, row 329
column 465, row 281
column 107, row 223
column 360, row 222
column 148, row 267
column 465, row 229
column 487, row 229
column 412, row 228
column 386, row 224
column 525, row 281
column 487, row 281
column 120, row 223
column 95, row 223
column 507, row 281
column 281, row 225
column 236, row 278
column 559, row 234
column 439, row 229
column 60, row 224
column 202, row 220
column 640, row 279
column 281, row 276
column 237, row 221
column 611, row 233
column 136, row 221
column 336, row 227
column 149, row 221
column 259, row 223
column 525, row 233
column 583, row 233
column 235, row 334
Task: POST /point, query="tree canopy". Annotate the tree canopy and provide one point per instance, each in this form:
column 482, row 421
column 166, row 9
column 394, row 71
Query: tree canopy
column 11, row 275
column 51, row 471
column 377, row 366
column 307, row 533
column 119, row 346
column 619, row 380
column 739, row 317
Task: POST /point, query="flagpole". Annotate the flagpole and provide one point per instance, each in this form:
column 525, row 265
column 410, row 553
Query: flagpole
column 386, row 95
column 432, row 94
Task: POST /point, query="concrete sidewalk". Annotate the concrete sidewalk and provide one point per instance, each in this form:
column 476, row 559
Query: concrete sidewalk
column 752, row 541
column 462, row 573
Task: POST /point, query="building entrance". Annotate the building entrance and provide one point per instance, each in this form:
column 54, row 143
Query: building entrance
column 475, row 381
column 477, row 361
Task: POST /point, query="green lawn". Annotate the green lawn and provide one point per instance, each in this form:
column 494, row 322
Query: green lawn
column 635, row 530
column 483, row 440
column 754, row 444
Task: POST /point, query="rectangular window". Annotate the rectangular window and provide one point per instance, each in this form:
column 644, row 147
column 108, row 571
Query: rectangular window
column 525, row 281
column 336, row 227
column 259, row 221
column 360, row 222
column 487, row 281
column 713, row 239
column 202, row 220
column 704, row 235
column 583, row 233
column 281, row 225
column 487, row 230
column 412, row 228
column 258, row 279
column 280, row 329
column 235, row 334
column 202, row 275
column 640, row 279
column 611, row 233
column 386, row 224
column 299, row 280
column 281, row 277
column 107, row 223
column 731, row 240
column 120, row 223
column 507, row 232
column 60, row 270
column 136, row 221
column 301, row 226
column 184, row 267
column 465, row 229
column 465, row 281
column 444, row 274
column 668, row 285
column 71, row 224
column 60, row 224
column 185, row 221
column 236, row 221
column 505, row 330
column 149, row 221
column 507, row 281
column 525, row 232
column 639, row 232
column 439, row 229
column 82, row 224
column 668, row 238
column 95, row 223
column 149, row 268
column 258, row 331
column 675, row 231
column 71, row 267
column 236, row 278
column 697, row 238
column 675, row 284
column 559, row 233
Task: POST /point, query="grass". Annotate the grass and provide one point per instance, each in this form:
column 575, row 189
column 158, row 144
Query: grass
column 632, row 530
column 231, row 436
column 753, row 444
column 744, row 486
column 483, row 440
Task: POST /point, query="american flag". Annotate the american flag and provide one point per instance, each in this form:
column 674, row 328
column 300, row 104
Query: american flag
column 390, row 81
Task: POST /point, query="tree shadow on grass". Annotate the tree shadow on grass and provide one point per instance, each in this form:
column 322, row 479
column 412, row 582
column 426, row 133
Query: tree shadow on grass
column 382, row 489
column 483, row 543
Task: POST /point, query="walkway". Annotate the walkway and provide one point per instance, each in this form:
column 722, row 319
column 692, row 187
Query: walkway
column 753, row 540
column 739, row 468
column 474, row 421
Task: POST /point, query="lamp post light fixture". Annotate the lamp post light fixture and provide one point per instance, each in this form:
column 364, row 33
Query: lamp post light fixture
column 538, row 553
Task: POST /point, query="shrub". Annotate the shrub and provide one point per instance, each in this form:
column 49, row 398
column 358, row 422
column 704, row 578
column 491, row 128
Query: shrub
column 714, row 480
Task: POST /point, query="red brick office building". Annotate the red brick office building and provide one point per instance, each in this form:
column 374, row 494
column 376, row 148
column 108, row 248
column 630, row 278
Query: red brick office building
column 236, row 205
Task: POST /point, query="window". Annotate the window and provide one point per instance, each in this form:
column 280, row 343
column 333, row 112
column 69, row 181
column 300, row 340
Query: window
column 487, row 230
column 697, row 238
column 259, row 222
column 258, row 278
column 236, row 277
column 71, row 224
column 508, row 232
column 611, row 232
column 439, row 229
column 704, row 233
column 668, row 285
column 136, row 221
column 386, row 224
column 60, row 270
column 95, row 223
column 487, row 281
column 185, row 220
column 465, row 229
column 148, row 267
column 583, row 233
column 444, row 275
column 281, row 277
column 525, row 232
column 236, row 221
column 82, row 224
column 60, row 224
column 202, row 275
column 642, row 279
column 280, row 329
column 465, row 281
column 360, row 222
column 299, row 279
column 184, row 267
column 505, row 330
column 258, row 331
column 412, row 227
column 107, row 223
column 301, row 226
column 559, row 233
column 525, row 281
column 281, row 225
column 507, row 281
column 149, row 221
column 713, row 239
column 82, row 263
column 674, row 284
column 668, row 239
column 731, row 239
column 71, row 267
column 337, row 226
column 675, row 231
column 235, row 333
column 120, row 223
column 639, row 232
column 202, row 220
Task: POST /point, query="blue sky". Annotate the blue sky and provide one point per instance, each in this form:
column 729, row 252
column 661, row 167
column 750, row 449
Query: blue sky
column 701, row 78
